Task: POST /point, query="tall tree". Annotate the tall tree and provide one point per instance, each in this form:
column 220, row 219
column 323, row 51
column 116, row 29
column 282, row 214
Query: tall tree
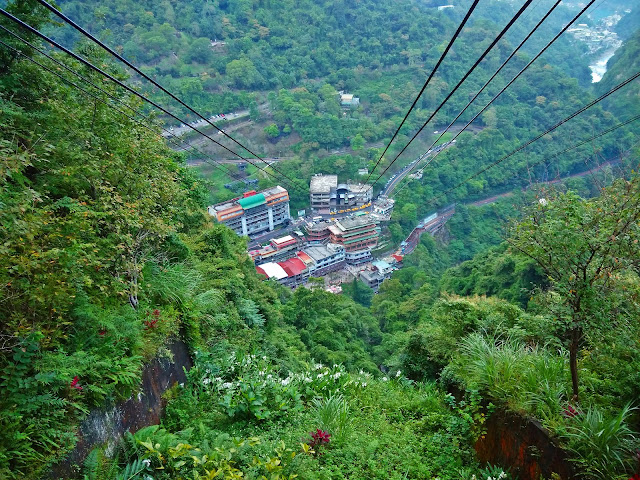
column 589, row 250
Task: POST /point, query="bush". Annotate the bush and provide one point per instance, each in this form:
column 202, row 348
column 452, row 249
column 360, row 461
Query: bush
column 527, row 377
column 602, row 447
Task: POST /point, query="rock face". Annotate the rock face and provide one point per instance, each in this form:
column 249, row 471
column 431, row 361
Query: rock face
column 107, row 426
column 522, row 445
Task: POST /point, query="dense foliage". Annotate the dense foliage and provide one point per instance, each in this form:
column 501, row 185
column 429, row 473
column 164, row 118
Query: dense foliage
column 106, row 255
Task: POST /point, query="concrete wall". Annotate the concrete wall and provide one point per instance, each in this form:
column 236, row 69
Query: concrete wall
column 107, row 426
column 522, row 446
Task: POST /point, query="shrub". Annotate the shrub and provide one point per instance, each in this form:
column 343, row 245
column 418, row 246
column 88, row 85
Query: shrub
column 332, row 414
column 528, row 377
column 602, row 447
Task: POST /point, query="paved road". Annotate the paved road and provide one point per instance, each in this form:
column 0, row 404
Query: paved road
column 487, row 201
column 218, row 120
column 430, row 227
column 236, row 161
column 265, row 237
column 399, row 176
column 215, row 119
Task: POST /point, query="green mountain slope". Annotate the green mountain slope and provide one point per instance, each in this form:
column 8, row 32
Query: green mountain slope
column 623, row 64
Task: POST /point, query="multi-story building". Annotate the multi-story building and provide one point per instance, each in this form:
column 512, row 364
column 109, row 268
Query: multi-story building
column 383, row 206
column 318, row 232
column 278, row 249
column 360, row 194
column 358, row 235
column 323, row 258
column 320, row 191
column 327, row 195
column 297, row 272
column 372, row 279
column 379, row 272
column 255, row 212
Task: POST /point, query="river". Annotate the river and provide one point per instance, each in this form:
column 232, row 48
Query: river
column 599, row 68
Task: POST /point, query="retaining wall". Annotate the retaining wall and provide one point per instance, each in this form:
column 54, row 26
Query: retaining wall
column 106, row 426
column 524, row 446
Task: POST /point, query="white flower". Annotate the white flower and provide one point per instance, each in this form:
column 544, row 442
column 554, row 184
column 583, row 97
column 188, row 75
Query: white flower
column 146, row 462
column 227, row 385
column 206, row 381
column 364, row 384
column 285, row 382
column 264, row 357
column 384, row 379
column 398, row 374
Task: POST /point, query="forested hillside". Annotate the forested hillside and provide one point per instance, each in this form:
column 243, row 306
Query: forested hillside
column 107, row 254
column 626, row 60
column 279, row 44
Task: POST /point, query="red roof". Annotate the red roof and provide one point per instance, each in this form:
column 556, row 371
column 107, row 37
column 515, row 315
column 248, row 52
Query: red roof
column 283, row 242
column 260, row 271
column 305, row 258
column 398, row 258
column 293, row 266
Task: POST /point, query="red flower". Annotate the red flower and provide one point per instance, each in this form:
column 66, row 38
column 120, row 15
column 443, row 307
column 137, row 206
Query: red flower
column 155, row 316
column 635, row 477
column 570, row 412
column 74, row 383
column 102, row 332
column 319, row 437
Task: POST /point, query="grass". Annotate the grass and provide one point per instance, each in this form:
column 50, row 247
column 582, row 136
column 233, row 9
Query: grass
column 530, row 378
column 602, row 446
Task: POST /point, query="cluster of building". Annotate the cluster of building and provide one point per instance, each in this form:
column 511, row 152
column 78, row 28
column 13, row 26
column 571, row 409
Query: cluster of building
column 312, row 261
column 327, row 196
column 328, row 246
column 325, row 246
column 600, row 36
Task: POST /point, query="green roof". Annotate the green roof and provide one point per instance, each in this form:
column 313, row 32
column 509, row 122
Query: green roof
column 252, row 201
column 360, row 239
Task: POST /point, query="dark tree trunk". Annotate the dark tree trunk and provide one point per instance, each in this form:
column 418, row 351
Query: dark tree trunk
column 573, row 362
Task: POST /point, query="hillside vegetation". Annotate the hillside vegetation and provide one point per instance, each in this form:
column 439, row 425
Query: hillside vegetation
column 107, row 254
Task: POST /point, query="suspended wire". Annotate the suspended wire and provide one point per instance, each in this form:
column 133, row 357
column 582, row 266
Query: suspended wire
column 66, row 19
column 97, row 98
column 538, row 137
column 584, row 142
column 433, row 71
column 566, row 27
column 113, row 97
column 466, row 75
column 129, row 89
column 484, row 86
